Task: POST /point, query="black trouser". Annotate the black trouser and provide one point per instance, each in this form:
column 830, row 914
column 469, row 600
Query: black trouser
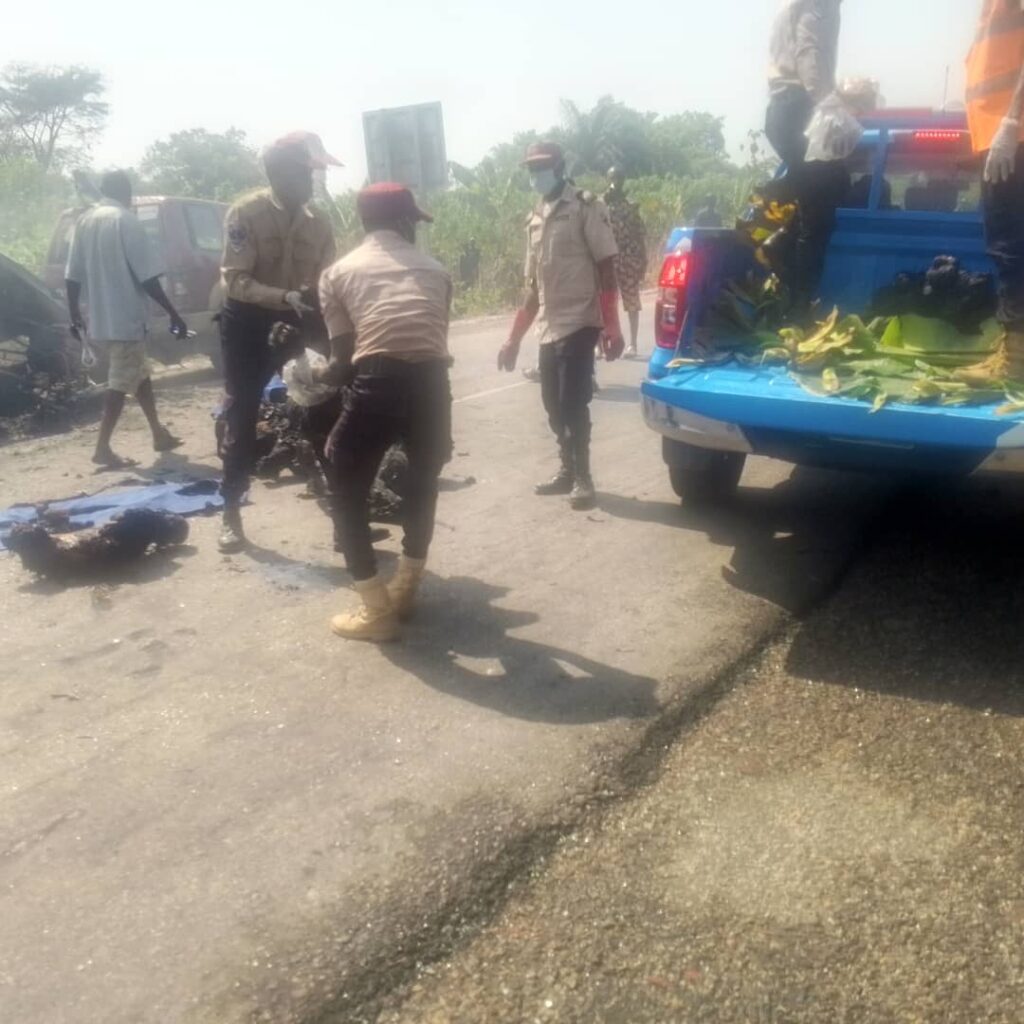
column 388, row 401
column 566, row 388
column 1004, row 234
column 248, row 366
column 818, row 187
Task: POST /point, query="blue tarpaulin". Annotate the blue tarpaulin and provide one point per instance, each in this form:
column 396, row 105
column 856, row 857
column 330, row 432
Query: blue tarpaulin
column 186, row 499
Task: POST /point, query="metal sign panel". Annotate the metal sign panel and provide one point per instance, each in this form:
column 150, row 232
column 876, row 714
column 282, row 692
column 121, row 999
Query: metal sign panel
column 406, row 144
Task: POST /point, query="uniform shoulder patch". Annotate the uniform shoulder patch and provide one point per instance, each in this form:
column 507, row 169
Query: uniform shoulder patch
column 238, row 235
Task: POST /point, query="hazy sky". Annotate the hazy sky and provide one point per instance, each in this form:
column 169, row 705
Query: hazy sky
column 498, row 68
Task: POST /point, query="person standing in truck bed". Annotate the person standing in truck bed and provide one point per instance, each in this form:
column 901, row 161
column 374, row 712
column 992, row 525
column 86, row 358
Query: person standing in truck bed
column 804, row 49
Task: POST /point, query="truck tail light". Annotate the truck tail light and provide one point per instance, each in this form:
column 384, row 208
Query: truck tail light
column 670, row 307
column 939, row 136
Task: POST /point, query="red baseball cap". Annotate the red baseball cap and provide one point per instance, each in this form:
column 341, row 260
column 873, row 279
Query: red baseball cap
column 388, row 200
column 302, row 147
column 544, row 153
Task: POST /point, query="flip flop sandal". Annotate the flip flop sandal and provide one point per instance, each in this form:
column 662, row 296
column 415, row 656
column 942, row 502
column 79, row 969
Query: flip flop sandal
column 114, row 462
column 167, row 443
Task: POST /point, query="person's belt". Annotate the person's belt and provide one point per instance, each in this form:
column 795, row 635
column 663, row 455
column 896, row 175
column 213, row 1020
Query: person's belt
column 250, row 313
column 389, row 366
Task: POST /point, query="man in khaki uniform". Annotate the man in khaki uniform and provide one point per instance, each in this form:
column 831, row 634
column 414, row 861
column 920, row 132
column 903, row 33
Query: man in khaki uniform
column 571, row 291
column 275, row 250
column 387, row 307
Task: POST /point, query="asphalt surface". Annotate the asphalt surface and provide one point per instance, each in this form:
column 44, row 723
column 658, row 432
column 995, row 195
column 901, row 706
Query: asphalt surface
column 836, row 835
column 214, row 811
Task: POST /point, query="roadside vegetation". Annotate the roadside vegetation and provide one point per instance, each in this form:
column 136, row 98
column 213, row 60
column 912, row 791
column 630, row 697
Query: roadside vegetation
column 49, row 115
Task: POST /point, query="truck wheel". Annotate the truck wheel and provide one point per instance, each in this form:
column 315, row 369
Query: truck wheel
column 700, row 476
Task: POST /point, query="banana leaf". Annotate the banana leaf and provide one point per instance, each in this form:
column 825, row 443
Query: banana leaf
column 824, row 330
column 926, row 336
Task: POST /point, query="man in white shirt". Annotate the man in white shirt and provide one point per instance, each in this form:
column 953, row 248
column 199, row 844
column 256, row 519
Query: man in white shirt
column 803, row 52
column 113, row 264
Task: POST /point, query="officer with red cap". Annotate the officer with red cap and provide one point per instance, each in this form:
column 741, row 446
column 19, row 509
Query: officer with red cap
column 387, row 307
column 276, row 247
column 571, row 291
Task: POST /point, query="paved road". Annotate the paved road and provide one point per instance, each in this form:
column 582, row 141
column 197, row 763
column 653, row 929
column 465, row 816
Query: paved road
column 213, row 811
column 837, row 837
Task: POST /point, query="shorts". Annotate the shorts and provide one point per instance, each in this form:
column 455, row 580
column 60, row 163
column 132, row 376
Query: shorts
column 128, row 364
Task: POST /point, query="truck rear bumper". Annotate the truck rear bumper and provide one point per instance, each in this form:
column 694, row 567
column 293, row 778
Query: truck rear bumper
column 692, row 428
column 766, row 413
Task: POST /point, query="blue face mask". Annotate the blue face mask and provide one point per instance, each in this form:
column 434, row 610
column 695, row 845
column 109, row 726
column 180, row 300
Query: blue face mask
column 545, row 182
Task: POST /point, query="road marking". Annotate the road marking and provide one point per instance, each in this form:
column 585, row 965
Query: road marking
column 492, row 391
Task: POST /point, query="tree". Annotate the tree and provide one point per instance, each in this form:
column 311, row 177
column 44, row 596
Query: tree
column 504, row 163
column 31, row 200
column 202, row 164
column 50, row 114
column 691, row 144
column 610, row 133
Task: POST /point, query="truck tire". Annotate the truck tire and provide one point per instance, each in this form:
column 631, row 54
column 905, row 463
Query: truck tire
column 700, row 476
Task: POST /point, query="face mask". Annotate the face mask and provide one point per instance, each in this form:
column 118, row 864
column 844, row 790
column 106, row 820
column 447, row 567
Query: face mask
column 545, row 182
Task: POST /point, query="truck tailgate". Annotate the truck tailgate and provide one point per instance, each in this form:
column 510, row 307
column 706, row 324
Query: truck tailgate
column 763, row 410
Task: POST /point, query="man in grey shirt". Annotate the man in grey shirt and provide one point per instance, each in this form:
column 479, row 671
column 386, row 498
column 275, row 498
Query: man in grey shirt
column 113, row 263
column 804, row 53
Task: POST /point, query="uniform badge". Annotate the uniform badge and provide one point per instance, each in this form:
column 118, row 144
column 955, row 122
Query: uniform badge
column 238, row 235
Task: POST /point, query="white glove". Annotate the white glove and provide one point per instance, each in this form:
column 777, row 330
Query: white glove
column 294, row 299
column 1002, row 157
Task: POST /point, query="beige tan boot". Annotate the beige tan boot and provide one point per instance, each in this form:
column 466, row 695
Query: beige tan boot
column 375, row 620
column 404, row 585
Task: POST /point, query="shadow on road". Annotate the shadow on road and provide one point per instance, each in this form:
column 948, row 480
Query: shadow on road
column 178, row 464
column 626, row 393
column 936, row 610
column 301, row 574
column 790, row 542
column 460, row 645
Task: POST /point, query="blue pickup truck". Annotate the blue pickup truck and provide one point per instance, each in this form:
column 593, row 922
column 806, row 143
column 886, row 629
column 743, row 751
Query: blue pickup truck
column 916, row 195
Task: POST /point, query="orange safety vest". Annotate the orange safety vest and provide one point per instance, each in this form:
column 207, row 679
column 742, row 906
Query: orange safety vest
column 993, row 69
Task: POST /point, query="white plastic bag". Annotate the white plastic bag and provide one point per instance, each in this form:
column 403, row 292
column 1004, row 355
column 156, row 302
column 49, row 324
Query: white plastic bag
column 298, row 378
column 90, row 352
column 834, row 132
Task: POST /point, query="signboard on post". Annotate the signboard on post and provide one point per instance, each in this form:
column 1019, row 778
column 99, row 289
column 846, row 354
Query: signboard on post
column 406, row 144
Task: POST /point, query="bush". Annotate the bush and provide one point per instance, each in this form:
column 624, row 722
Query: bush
column 31, row 200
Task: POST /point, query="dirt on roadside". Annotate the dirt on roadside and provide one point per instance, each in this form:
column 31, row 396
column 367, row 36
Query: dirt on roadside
column 841, row 839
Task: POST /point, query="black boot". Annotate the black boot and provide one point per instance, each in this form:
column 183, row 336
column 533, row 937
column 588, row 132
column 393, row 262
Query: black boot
column 582, row 496
column 232, row 536
column 562, row 481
